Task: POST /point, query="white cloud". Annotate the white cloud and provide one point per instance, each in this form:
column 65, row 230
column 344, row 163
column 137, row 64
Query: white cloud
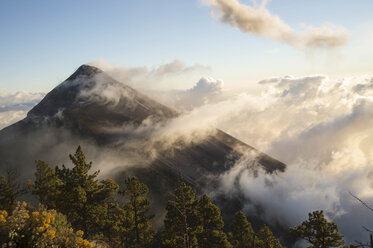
column 14, row 107
column 206, row 91
column 259, row 21
column 207, row 84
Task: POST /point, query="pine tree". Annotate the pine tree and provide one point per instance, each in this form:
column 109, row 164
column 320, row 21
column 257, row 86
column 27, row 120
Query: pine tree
column 10, row 189
column 318, row 231
column 210, row 235
column 181, row 223
column 242, row 232
column 140, row 233
column 78, row 195
column 265, row 239
column 47, row 186
column 117, row 227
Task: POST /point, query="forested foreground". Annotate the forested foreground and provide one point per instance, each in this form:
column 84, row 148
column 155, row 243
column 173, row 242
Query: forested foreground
column 77, row 210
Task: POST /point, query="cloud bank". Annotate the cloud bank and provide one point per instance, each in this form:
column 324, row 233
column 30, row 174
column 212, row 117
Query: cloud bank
column 14, row 107
column 259, row 21
column 323, row 130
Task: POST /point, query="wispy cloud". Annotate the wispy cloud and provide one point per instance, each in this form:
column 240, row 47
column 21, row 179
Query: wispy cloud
column 142, row 76
column 257, row 20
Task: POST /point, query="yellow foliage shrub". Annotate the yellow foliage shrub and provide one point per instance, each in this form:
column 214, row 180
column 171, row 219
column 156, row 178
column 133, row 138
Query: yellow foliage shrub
column 28, row 227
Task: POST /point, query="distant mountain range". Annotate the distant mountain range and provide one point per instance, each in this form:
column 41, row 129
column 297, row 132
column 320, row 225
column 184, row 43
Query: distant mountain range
column 112, row 120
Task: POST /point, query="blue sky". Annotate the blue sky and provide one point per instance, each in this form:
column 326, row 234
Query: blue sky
column 42, row 42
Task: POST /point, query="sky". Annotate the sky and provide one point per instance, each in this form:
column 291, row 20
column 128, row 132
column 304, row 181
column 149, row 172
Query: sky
column 43, row 42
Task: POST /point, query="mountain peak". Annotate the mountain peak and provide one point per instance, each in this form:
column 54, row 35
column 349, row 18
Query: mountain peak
column 85, row 70
column 92, row 100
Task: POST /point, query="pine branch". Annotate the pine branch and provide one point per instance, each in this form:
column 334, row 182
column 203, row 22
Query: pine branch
column 368, row 230
column 362, row 202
